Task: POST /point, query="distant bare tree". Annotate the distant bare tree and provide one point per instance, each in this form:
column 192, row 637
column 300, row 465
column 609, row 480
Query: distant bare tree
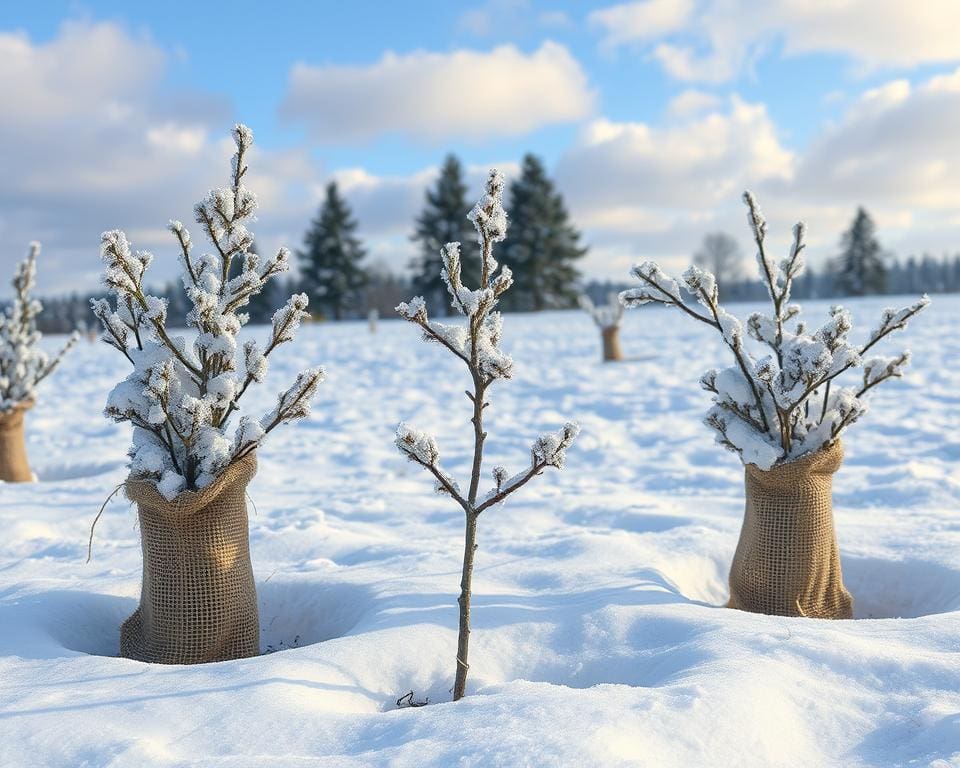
column 720, row 255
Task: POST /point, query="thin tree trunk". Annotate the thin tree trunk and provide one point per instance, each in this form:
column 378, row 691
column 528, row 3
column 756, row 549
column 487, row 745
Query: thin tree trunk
column 466, row 582
column 470, row 538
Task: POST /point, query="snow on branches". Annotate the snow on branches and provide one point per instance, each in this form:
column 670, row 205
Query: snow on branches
column 608, row 315
column 782, row 405
column 23, row 364
column 182, row 392
column 477, row 345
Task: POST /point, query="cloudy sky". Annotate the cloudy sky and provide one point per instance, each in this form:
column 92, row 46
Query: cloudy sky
column 653, row 116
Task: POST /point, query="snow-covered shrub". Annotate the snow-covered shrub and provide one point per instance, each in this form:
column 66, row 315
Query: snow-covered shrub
column 477, row 345
column 608, row 318
column 783, row 411
column 786, row 403
column 184, row 391
column 23, row 365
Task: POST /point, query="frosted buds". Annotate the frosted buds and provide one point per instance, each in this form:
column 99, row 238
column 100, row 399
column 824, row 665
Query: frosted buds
column 784, row 405
column 182, row 394
column 23, row 365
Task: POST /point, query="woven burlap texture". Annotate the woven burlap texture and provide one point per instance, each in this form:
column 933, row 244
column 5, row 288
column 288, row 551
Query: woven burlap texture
column 787, row 561
column 198, row 602
column 14, row 466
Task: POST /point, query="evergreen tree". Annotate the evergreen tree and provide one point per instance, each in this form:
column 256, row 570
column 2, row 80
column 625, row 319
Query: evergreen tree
column 806, row 285
column 542, row 245
column 330, row 262
column 860, row 267
column 444, row 220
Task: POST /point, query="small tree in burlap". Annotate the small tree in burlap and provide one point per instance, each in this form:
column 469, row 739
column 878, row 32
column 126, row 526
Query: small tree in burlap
column 190, row 464
column 783, row 414
column 477, row 346
column 23, row 365
column 608, row 319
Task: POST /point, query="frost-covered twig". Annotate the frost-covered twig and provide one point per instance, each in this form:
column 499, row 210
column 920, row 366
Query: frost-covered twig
column 182, row 393
column 609, row 315
column 23, row 365
column 607, row 318
column 778, row 407
column 477, row 345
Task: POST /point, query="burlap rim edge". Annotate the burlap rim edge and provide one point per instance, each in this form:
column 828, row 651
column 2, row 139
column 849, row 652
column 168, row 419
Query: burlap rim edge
column 827, row 460
column 144, row 491
column 19, row 409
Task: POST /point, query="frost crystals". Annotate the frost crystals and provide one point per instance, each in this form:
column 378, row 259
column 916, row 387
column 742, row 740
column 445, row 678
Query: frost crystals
column 23, row 364
column 778, row 407
column 181, row 394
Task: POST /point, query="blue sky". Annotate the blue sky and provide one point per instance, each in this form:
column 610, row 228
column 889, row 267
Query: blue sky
column 652, row 116
column 246, row 57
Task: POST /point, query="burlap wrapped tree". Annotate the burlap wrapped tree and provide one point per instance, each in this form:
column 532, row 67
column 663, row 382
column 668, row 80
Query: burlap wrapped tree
column 477, row 345
column 608, row 319
column 783, row 414
column 23, row 365
column 189, row 465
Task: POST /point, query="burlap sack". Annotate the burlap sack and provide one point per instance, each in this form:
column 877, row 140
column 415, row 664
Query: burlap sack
column 14, row 467
column 198, row 602
column 611, row 344
column 787, row 561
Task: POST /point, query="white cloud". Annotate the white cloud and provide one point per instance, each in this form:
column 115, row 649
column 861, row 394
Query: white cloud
column 100, row 143
column 90, row 139
column 86, row 65
column 691, row 102
column 384, row 205
column 509, row 19
column 716, row 39
column 431, row 96
column 896, row 145
column 642, row 21
column 493, row 16
column 94, row 139
column 692, row 165
column 654, row 190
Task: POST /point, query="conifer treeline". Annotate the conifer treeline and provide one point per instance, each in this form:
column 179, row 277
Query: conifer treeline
column 542, row 249
column 861, row 268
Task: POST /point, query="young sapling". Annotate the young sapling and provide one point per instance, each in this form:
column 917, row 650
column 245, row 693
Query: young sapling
column 477, row 346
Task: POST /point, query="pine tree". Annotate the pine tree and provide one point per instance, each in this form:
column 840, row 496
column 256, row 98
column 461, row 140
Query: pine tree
column 543, row 245
column 443, row 220
column 860, row 268
column 330, row 264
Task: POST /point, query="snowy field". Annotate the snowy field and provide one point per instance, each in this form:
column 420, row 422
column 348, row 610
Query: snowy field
column 598, row 640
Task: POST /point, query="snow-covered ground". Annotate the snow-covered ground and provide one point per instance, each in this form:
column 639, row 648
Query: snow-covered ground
column 598, row 640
